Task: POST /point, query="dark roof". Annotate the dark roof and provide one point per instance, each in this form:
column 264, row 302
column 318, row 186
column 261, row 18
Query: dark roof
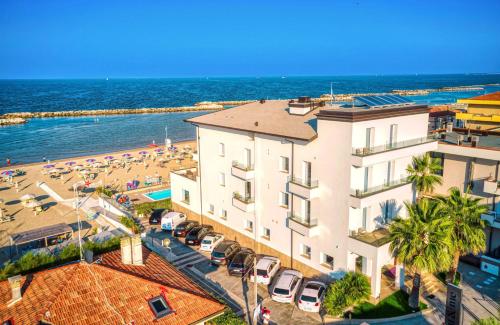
column 40, row 233
column 357, row 114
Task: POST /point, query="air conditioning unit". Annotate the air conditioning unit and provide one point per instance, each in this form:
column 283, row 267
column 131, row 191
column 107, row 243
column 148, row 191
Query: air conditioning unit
column 460, row 139
column 474, row 141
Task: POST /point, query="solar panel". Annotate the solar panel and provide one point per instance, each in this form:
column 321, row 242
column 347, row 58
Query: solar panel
column 383, row 100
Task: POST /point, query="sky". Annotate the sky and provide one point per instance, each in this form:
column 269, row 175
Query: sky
column 95, row 39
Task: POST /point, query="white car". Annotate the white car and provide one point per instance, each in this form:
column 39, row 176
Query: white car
column 210, row 241
column 287, row 286
column 267, row 267
column 312, row 296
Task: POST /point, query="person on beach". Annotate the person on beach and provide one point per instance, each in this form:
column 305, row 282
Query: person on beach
column 8, row 162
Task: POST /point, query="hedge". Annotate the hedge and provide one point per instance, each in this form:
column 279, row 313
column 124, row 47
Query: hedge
column 148, row 207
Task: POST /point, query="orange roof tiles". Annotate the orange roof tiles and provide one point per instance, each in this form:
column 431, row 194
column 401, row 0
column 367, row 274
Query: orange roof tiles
column 108, row 293
column 492, row 96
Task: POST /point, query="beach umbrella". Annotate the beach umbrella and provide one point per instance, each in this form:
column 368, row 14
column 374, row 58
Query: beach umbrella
column 109, row 157
column 158, row 150
column 33, row 204
column 126, row 155
column 172, row 148
column 7, row 172
column 143, row 153
column 90, row 160
column 70, row 163
column 27, row 197
column 152, row 145
column 49, row 166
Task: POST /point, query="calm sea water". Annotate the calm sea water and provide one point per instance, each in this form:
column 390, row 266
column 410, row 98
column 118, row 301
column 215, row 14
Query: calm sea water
column 58, row 138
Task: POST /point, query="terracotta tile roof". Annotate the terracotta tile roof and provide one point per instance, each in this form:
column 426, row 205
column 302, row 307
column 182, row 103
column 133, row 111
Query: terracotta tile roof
column 492, row 96
column 108, row 293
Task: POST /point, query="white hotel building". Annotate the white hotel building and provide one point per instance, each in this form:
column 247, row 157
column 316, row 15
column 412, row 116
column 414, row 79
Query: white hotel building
column 315, row 185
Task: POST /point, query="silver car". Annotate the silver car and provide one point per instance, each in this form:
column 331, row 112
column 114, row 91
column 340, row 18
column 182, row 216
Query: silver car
column 286, row 286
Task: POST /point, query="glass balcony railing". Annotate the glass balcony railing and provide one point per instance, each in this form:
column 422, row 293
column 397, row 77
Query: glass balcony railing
column 243, row 198
column 308, row 222
column 380, row 188
column 366, row 151
column 244, row 167
column 303, row 182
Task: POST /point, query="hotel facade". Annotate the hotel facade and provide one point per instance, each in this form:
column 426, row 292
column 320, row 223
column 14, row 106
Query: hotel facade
column 312, row 184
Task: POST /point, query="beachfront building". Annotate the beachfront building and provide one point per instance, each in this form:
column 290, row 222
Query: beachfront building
column 471, row 160
column 314, row 185
column 483, row 112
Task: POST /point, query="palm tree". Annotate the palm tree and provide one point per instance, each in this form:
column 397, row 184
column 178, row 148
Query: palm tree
column 421, row 241
column 422, row 172
column 467, row 232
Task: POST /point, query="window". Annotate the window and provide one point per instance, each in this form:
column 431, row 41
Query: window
column 305, row 251
column 211, row 209
column 222, row 179
column 185, row 196
column 222, row 149
column 223, row 214
column 326, row 260
column 159, row 306
column 284, row 164
column 249, row 225
column 266, row 233
column 283, row 199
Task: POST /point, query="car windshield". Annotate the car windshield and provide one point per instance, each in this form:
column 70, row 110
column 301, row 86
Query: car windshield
column 218, row 254
column 308, row 298
column 206, row 241
column 280, row 291
column 237, row 265
column 261, row 272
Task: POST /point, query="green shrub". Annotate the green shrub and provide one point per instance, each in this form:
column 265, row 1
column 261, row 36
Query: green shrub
column 30, row 261
column 351, row 289
column 228, row 318
column 101, row 190
column 148, row 207
column 131, row 224
column 487, row 321
column 391, row 306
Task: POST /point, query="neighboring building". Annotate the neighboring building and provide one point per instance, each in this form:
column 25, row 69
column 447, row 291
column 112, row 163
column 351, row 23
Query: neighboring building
column 316, row 186
column 483, row 112
column 440, row 116
column 131, row 286
column 471, row 160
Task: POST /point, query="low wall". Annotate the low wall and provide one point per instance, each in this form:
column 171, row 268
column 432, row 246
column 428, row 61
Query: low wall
column 246, row 241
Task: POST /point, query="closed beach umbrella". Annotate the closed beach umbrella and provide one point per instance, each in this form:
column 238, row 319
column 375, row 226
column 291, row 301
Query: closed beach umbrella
column 49, row 166
column 109, row 157
column 27, row 197
column 70, row 163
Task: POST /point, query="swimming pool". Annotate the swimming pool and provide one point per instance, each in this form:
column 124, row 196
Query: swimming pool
column 159, row 195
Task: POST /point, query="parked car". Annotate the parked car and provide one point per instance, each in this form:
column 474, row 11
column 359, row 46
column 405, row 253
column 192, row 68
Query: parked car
column 210, row 241
column 196, row 234
column 182, row 229
column 155, row 217
column 169, row 220
column 312, row 296
column 224, row 252
column 286, row 286
column 267, row 267
column 241, row 263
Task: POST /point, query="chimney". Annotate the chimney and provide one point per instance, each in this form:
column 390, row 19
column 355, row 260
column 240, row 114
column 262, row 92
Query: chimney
column 126, row 250
column 137, row 250
column 15, row 287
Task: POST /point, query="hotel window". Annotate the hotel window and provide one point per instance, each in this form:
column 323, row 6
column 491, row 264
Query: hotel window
column 223, row 214
column 305, row 251
column 222, row 149
column 283, row 199
column 284, row 164
column 211, row 209
column 222, row 179
column 185, row 196
column 266, row 233
column 249, row 225
column 326, row 260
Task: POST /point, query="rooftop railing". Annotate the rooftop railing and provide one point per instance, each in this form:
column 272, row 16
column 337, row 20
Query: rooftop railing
column 380, row 188
column 366, row 151
column 244, row 167
column 307, row 222
column 303, row 182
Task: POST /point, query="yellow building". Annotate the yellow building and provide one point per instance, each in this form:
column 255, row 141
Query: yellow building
column 483, row 112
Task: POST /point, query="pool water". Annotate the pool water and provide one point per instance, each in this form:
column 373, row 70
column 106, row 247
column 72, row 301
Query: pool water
column 159, row 195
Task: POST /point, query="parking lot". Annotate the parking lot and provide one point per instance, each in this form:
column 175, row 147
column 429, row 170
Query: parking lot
column 237, row 292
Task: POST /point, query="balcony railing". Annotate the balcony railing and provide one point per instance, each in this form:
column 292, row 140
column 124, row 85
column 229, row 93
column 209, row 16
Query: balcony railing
column 244, row 167
column 307, row 222
column 303, row 182
column 366, row 151
column 380, row 188
column 243, row 198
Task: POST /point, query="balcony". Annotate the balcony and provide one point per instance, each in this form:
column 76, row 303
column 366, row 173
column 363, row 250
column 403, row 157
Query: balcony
column 305, row 227
column 242, row 171
column 376, row 238
column 369, row 156
column 243, row 202
column 373, row 195
column 306, row 189
column 189, row 173
column 491, row 186
column 492, row 218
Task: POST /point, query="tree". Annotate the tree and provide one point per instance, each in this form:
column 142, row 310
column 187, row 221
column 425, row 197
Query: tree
column 467, row 231
column 422, row 241
column 350, row 290
column 487, row 321
column 422, row 172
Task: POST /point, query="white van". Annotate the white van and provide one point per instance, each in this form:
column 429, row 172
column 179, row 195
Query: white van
column 169, row 220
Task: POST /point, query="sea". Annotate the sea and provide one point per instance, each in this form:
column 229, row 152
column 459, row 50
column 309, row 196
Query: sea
column 59, row 138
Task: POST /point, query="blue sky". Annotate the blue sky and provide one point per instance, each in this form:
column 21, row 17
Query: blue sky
column 85, row 39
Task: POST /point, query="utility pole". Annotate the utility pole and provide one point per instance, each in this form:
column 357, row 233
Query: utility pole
column 77, row 208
